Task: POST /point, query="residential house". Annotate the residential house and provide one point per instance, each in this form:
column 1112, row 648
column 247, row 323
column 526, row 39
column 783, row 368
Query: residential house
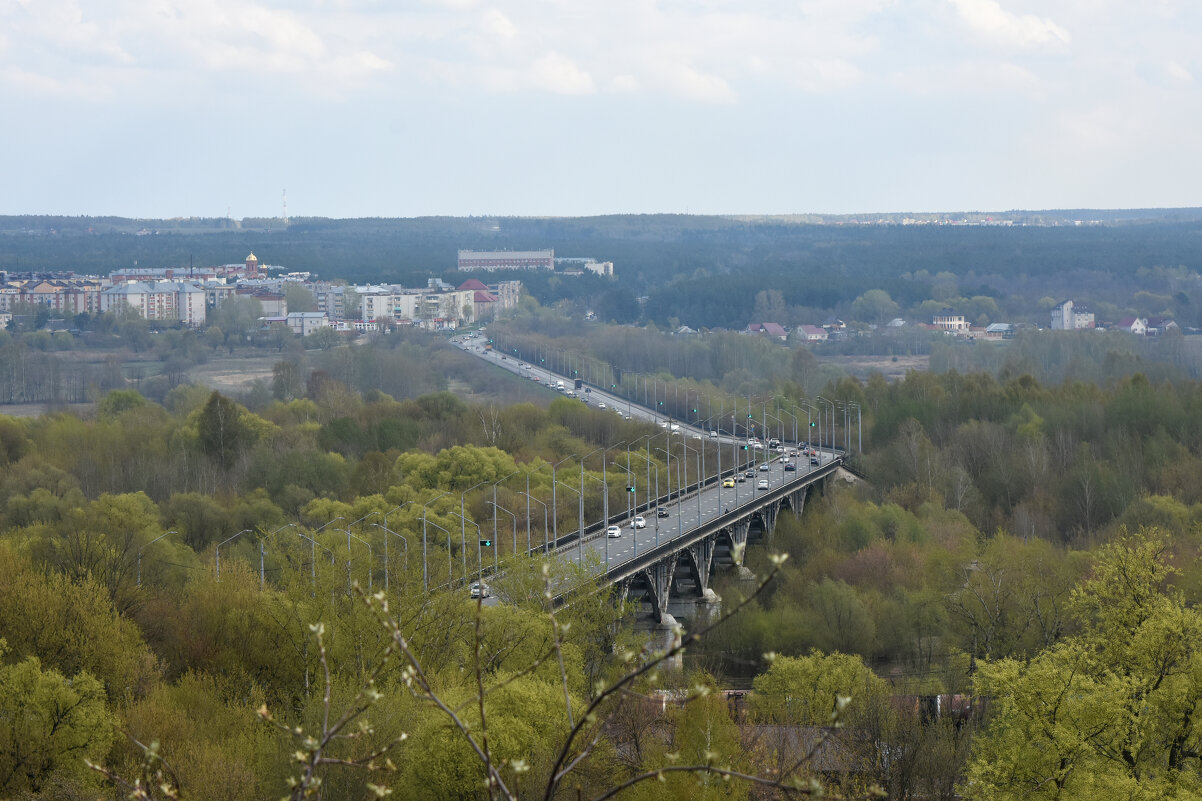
column 1160, row 325
column 999, row 331
column 810, row 333
column 949, row 320
column 1133, row 325
column 774, row 330
column 305, row 323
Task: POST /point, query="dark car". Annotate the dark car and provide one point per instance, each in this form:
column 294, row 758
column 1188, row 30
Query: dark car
column 741, row 479
column 749, row 474
column 661, row 512
column 814, row 460
column 790, row 468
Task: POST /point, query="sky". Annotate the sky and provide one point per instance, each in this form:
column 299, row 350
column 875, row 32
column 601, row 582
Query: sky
column 404, row 108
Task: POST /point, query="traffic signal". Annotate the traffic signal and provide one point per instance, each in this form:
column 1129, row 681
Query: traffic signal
column 485, row 543
column 630, row 489
column 613, row 386
column 748, row 417
column 744, row 447
column 813, row 424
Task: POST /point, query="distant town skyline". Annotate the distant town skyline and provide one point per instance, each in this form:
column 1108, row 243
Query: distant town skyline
column 459, row 107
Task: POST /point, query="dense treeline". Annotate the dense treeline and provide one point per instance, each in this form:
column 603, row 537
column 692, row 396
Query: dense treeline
column 703, row 271
column 994, row 511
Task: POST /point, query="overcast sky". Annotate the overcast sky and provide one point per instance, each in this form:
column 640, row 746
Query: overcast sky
column 163, row 108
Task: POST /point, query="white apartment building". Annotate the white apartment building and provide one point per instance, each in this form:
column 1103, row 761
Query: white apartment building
column 417, row 305
column 1067, row 317
column 164, row 300
column 506, row 260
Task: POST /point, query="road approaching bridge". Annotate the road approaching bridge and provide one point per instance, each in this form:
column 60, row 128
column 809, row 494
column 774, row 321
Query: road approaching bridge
column 671, row 543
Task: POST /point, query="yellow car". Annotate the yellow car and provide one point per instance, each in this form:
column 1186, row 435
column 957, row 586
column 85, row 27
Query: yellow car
column 728, row 483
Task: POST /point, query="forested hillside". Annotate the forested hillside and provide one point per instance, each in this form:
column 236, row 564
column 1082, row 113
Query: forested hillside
column 165, row 561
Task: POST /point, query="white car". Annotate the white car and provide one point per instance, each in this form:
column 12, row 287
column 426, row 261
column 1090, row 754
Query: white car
column 638, row 522
column 713, row 435
column 479, row 589
column 600, row 405
column 763, row 484
column 613, row 531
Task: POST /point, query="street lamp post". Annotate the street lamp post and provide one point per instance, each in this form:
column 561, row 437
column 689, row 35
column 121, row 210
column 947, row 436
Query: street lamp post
column 387, row 531
column 581, row 497
column 313, row 558
column 348, row 548
column 529, row 498
column 463, row 521
column 463, row 531
column 580, row 534
column 217, row 551
column 404, row 541
column 496, row 542
column 496, row 549
column 554, row 504
column 370, row 561
column 425, row 547
column 679, row 524
column 147, row 545
column 262, row 554
column 450, row 559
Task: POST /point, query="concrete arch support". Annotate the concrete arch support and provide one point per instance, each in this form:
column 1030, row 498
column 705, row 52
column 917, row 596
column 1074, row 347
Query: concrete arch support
column 797, row 500
column 769, row 514
column 659, row 584
column 738, row 539
column 699, row 558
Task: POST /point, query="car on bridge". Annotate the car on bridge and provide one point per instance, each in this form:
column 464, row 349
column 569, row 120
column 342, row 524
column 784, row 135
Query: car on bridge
column 765, row 467
column 790, row 467
column 763, row 484
column 815, row 461
column 661, row 512
column 479, row 589
column 749, row 474
column 638, row 522
column 613, row 531
column 741, row 479
column 728, row 483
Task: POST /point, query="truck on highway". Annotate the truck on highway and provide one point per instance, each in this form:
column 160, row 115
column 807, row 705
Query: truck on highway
column 579, row 383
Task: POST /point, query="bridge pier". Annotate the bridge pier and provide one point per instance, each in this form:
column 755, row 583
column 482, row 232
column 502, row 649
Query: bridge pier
column 797, row 500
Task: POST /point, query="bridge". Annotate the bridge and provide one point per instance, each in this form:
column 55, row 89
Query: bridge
column 695, row 529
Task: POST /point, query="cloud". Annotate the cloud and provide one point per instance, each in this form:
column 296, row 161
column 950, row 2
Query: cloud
column 988, row 19
column 557, row 73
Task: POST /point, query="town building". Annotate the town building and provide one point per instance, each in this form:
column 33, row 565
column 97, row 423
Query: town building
column 305, row 323
column 1066, row 316
column 1133, row 325
column 167, row 301
column 774, row 330
column 574, row 265
column 490, row 260
column 949, row 320
column 810, row 333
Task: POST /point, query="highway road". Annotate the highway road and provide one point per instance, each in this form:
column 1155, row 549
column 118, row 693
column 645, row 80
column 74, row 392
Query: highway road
column 683, row 513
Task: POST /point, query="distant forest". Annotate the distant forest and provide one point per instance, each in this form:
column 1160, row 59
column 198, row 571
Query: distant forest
column 703, row 271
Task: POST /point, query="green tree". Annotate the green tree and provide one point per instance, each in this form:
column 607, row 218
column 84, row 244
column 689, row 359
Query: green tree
column 223, row 434
column 49, row 726
column 874, row 306
column 1112, row 711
